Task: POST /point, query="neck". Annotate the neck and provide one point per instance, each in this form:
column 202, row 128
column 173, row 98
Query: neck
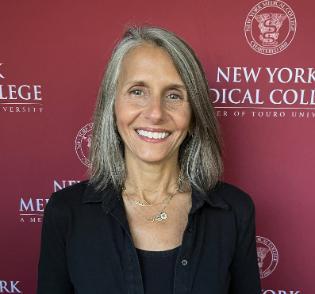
column 151, row 182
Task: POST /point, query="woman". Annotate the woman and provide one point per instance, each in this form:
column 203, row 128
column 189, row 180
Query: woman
column 153, row 217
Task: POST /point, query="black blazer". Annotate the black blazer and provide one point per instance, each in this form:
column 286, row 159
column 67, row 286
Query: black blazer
column 87, row 248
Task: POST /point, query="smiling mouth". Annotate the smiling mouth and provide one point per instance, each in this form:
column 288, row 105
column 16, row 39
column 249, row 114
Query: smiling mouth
column 152, row 135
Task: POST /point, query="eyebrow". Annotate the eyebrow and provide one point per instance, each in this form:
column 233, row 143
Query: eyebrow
column 170, row 86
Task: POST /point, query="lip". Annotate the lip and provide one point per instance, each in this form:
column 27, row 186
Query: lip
column 153, row 130
column 152, row 140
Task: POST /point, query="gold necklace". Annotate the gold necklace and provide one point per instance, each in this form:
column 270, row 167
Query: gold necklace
column 162, row 215
column 146, row 203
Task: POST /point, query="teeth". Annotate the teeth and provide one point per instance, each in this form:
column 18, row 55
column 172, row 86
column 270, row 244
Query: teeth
column 154, row 135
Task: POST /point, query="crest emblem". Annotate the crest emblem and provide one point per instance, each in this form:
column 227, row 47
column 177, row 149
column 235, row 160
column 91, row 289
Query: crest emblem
column 83, row 143
column 268, row 256
column 270, row 27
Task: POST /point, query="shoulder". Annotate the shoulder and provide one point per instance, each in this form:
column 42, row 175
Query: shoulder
column 60, row 208
column 233, row 195
column 239, row 201
column 69, row 196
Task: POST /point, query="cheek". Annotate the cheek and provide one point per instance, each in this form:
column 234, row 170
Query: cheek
column 120, row 109
column 124, row 115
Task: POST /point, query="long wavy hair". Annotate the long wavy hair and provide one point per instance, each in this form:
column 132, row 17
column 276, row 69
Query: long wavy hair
column 200, row 154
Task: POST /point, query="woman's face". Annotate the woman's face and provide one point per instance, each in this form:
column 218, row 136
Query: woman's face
column 151, row 107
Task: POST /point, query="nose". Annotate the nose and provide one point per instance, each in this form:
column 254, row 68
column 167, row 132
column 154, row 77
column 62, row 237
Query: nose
column 154, row 110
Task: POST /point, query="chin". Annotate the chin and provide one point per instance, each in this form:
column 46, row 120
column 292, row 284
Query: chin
column 153, row 159
column 150, row 156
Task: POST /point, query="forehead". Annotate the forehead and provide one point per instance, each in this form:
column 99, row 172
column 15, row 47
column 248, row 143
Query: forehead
column 148, row 62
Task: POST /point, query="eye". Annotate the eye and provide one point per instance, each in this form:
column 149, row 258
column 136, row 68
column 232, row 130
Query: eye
column 174, row 96
column 136, row 92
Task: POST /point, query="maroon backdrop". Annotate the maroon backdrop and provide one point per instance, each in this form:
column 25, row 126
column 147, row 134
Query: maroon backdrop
column 258, row 58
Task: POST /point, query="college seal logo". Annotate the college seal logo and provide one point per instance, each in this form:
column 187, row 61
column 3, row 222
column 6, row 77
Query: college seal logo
column 82, row 143
column 270, row 27
column 268, row 256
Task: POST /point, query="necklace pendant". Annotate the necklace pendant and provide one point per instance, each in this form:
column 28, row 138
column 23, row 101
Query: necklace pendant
column 161, row 217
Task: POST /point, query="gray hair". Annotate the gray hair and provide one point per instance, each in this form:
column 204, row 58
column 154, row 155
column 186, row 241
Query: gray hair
column 200, row 155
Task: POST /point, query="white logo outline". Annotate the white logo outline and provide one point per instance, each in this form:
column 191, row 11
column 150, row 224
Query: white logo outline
column 288, row 14
column 268, row 247
column 1, row 75
column 84, row 135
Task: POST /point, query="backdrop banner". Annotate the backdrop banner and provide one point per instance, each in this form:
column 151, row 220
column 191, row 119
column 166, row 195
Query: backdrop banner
column 259, row 61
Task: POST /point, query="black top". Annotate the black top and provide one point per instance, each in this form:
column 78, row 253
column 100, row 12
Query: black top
column 87, row 247
column 157, row 269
